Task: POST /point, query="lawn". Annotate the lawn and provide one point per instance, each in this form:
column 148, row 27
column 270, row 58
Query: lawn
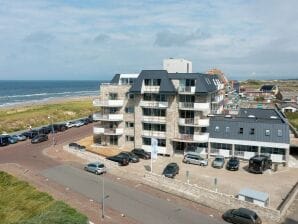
column 35, row 116
column 21, row 203
column 293, row 119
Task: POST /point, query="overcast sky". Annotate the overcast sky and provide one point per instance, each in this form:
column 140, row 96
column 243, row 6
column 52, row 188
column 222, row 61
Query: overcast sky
column 94, row 39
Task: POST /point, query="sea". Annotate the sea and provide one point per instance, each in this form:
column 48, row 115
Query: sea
column 20, row 92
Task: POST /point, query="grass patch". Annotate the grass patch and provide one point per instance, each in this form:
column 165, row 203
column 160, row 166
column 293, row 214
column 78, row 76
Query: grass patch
column 21, row 118
column 21, row 203
column 293, row 118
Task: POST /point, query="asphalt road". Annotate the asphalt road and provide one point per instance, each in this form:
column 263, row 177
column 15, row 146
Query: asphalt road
column 141, row 206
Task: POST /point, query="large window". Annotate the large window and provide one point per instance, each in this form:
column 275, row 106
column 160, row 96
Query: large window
column 154, row 112
column 269, row 150
column 246, row 148
column 155, row 97
column 187, row 98
column 129, row 110
column 154, row 127
column 186, row 114
column 152, row 82
column 186, row 130
column 221, row 146
column 160, row 142
column 113, row 96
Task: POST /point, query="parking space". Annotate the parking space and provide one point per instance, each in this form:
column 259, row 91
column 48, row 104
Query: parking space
column 276, row 184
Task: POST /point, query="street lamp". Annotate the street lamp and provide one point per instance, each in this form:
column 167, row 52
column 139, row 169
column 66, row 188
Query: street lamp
column 103, row 197
column 53, row 137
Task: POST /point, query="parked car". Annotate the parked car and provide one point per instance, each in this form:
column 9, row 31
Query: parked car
column 39, row 138
column 241, row 215
column 78, row 123
column 85, row 121
column 141, row 153
column 218, row 162
column 233, row 163
column 45, row 130
column 70, row 124
column 30, row 134
column 121, row 159
column 4, row 140
column 259, row 163
column 97, row 168
column 194, row 158
column 76, row 146
column 19, row 137
column 59, row 127
column 171, row 170
column 132, row 157
column 12, row 140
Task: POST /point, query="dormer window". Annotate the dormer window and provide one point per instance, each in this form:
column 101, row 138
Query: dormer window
column 241, row 131
column 217, row 128
column 267, row 132
column 279, row 133
column 252, row 131
column 227, row 129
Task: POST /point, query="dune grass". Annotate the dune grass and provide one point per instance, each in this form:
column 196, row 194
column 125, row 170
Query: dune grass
column 293, row 118
column 35, row 116
column 21, row 203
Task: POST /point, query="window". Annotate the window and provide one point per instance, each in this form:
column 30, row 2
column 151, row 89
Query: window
column 129, row 124
column 241, row 131
column 227, row 129
column 154, row 112
column 160, row 142
column 129, row 110
column 113, row 96
column 217, row 128
column 279, row 132
column 252, row 131
column 267, row 132
column 154, row 127
column 129, row 138
column 152, row 82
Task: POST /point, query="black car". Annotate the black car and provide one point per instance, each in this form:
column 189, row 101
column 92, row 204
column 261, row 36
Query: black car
column 132, row 157
column 121, row 159
column 86, row 121
column 4, row 140
column 171, row 170
column 59, row 127
column 241, row 215
column 141, row 153
column 39, row 138
column 45, row 130
column 76, row 146
column 233, row 164
column 259, row 164
column 30, row 134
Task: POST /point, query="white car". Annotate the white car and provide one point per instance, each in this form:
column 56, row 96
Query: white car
column 78, row 123
column 70, row 124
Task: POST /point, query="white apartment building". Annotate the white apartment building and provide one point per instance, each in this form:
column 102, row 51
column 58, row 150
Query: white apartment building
column 177, row 65
column 169, row 106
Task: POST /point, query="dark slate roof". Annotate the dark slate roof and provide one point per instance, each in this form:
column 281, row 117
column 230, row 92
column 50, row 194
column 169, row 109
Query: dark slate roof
column 260, row 123
column 115, row 79
column 267, row 88
column 166, row 86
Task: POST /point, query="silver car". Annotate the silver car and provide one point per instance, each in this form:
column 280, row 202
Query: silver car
column 195, row 158
column 218, row 162
column 97, row 168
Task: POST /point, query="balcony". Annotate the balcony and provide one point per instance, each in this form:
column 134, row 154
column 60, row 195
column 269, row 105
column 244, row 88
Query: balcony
column 108, row 103
column 158, row 134
column 196, row 122
column 154, row 104
column 194, row 138
column 154, row 119
column 107, row 131
column 150, row 89
column 160, row 149
column 205, row 107
column 107, row 117
column 186, row 89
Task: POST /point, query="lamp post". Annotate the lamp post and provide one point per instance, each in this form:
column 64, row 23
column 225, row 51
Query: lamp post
column 53, row 132
column 103, row 198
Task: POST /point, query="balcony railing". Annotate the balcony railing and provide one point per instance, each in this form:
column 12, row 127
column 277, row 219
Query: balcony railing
column 107, row 131
column 205, row 107
column 158, row 104
column 158, row 134
column 107, row 117
column 150, row 89
column 107, row 103
column 196, row 137
column 194, row 122
column 154, row 119
column 187, row 89
column 160, row 149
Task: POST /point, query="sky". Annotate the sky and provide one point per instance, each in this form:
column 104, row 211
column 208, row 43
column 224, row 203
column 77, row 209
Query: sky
column 95, row 39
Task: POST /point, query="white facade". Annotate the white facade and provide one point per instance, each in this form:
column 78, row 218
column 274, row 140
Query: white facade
column 173, row 65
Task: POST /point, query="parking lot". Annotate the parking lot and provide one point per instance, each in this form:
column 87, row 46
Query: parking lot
column 276, row 184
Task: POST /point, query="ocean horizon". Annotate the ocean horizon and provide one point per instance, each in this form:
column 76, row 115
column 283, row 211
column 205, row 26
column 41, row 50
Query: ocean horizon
column 17, row 92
